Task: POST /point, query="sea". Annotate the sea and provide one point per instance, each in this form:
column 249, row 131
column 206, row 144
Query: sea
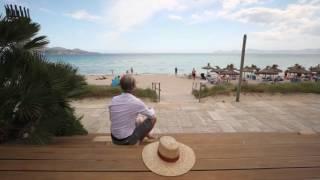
column 166, row 63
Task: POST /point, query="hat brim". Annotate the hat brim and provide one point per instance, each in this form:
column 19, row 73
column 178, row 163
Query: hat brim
column 157, row 165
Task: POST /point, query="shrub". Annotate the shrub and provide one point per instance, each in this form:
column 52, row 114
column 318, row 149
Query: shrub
column 214, row 90
column 34, row 93
column 303, row 87
column 100, row 91
column 34, row 97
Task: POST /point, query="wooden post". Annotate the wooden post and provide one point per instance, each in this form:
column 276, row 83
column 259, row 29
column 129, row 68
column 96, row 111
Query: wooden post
column 200, row 91
column 159, row 91
column 241, row 67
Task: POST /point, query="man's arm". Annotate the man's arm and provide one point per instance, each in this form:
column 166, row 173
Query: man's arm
column 143, row 109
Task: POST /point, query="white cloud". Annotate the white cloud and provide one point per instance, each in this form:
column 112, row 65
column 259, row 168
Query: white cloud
column 83, row 15
column 203, row 16
column 45, row 10
column 227, row 6
column 296, row 19
column 175, row 17
column 232, row 4
column 125, row 14
column 295, row 26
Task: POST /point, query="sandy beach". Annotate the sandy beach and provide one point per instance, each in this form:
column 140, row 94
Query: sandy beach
column 180, row 112
column 173, row 88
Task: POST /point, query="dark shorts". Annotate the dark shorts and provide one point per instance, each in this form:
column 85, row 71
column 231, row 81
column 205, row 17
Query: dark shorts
column 139, row 133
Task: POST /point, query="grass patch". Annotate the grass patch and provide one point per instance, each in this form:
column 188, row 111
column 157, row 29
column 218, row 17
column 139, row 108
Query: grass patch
column 284, row 88
column 100, row 91
column 223, row 89
column 303, row 87
column 146, row 93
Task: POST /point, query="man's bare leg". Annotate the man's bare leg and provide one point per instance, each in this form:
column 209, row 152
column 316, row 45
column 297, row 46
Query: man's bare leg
column 149, row 135
column 140, row 120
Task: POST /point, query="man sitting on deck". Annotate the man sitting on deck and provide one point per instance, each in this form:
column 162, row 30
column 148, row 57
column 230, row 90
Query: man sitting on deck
column 124, row 110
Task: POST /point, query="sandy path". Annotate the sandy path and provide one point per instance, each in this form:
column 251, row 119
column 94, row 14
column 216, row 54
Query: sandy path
column 173, row 89
column 180, row 112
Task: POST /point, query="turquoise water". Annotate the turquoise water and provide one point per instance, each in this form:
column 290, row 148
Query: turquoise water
column 165, row 63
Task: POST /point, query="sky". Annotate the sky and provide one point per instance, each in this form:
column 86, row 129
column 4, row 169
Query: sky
column 188, row 26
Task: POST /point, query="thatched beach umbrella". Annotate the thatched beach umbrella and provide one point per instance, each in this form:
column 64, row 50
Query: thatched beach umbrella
column 231, row 67
column 270, row 70
column 297, row 69
column 230, row 70
column 315, row 69
column 251, row 69
column 217, row 69
column 275, row 68
column 207, row 67
column 248, row 69
column 255, row 68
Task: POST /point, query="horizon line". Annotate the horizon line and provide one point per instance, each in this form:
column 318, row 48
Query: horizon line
column 307, row 50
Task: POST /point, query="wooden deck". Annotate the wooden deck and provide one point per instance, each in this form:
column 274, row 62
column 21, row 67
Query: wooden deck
column 219, row 156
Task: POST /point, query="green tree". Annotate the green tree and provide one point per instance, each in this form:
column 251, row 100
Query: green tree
column 34, row 93
column 20, row 33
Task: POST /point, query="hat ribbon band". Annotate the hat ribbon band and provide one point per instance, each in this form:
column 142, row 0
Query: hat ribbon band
column 168, row 159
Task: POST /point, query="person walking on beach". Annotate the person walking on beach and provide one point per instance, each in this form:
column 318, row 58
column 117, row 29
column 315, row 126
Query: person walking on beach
column 193, row 74
column 131, row 70
column 176, row 71
column 124, row 110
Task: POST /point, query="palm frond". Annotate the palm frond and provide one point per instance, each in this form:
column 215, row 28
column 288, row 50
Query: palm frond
column 36, row 43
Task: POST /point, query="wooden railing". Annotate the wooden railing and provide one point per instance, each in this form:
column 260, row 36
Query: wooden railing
column 195, row 87
column 156, row 87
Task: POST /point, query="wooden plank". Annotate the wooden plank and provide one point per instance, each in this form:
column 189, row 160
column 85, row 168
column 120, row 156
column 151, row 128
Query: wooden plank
column 195, row 141
column 219, row 156
column 137, row 164
column 122, row 152
column 274, row 174
column 223, row 138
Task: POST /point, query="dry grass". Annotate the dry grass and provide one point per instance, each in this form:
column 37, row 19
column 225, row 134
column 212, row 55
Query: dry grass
column 303, row 87
column 100, row 91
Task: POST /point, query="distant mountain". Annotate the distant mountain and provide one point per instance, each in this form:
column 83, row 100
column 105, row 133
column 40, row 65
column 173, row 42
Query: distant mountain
column 258, row 51
column 64, row 51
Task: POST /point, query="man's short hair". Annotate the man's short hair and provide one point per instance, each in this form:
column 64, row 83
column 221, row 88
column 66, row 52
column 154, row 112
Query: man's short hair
column 127, row 83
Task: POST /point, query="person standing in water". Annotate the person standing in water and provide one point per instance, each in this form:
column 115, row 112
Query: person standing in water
column 176, row 71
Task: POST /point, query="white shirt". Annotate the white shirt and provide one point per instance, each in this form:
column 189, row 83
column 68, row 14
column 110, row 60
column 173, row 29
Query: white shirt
column 124, row 110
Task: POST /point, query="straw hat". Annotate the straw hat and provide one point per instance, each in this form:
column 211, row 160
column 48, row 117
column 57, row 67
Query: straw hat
column 167, row 157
